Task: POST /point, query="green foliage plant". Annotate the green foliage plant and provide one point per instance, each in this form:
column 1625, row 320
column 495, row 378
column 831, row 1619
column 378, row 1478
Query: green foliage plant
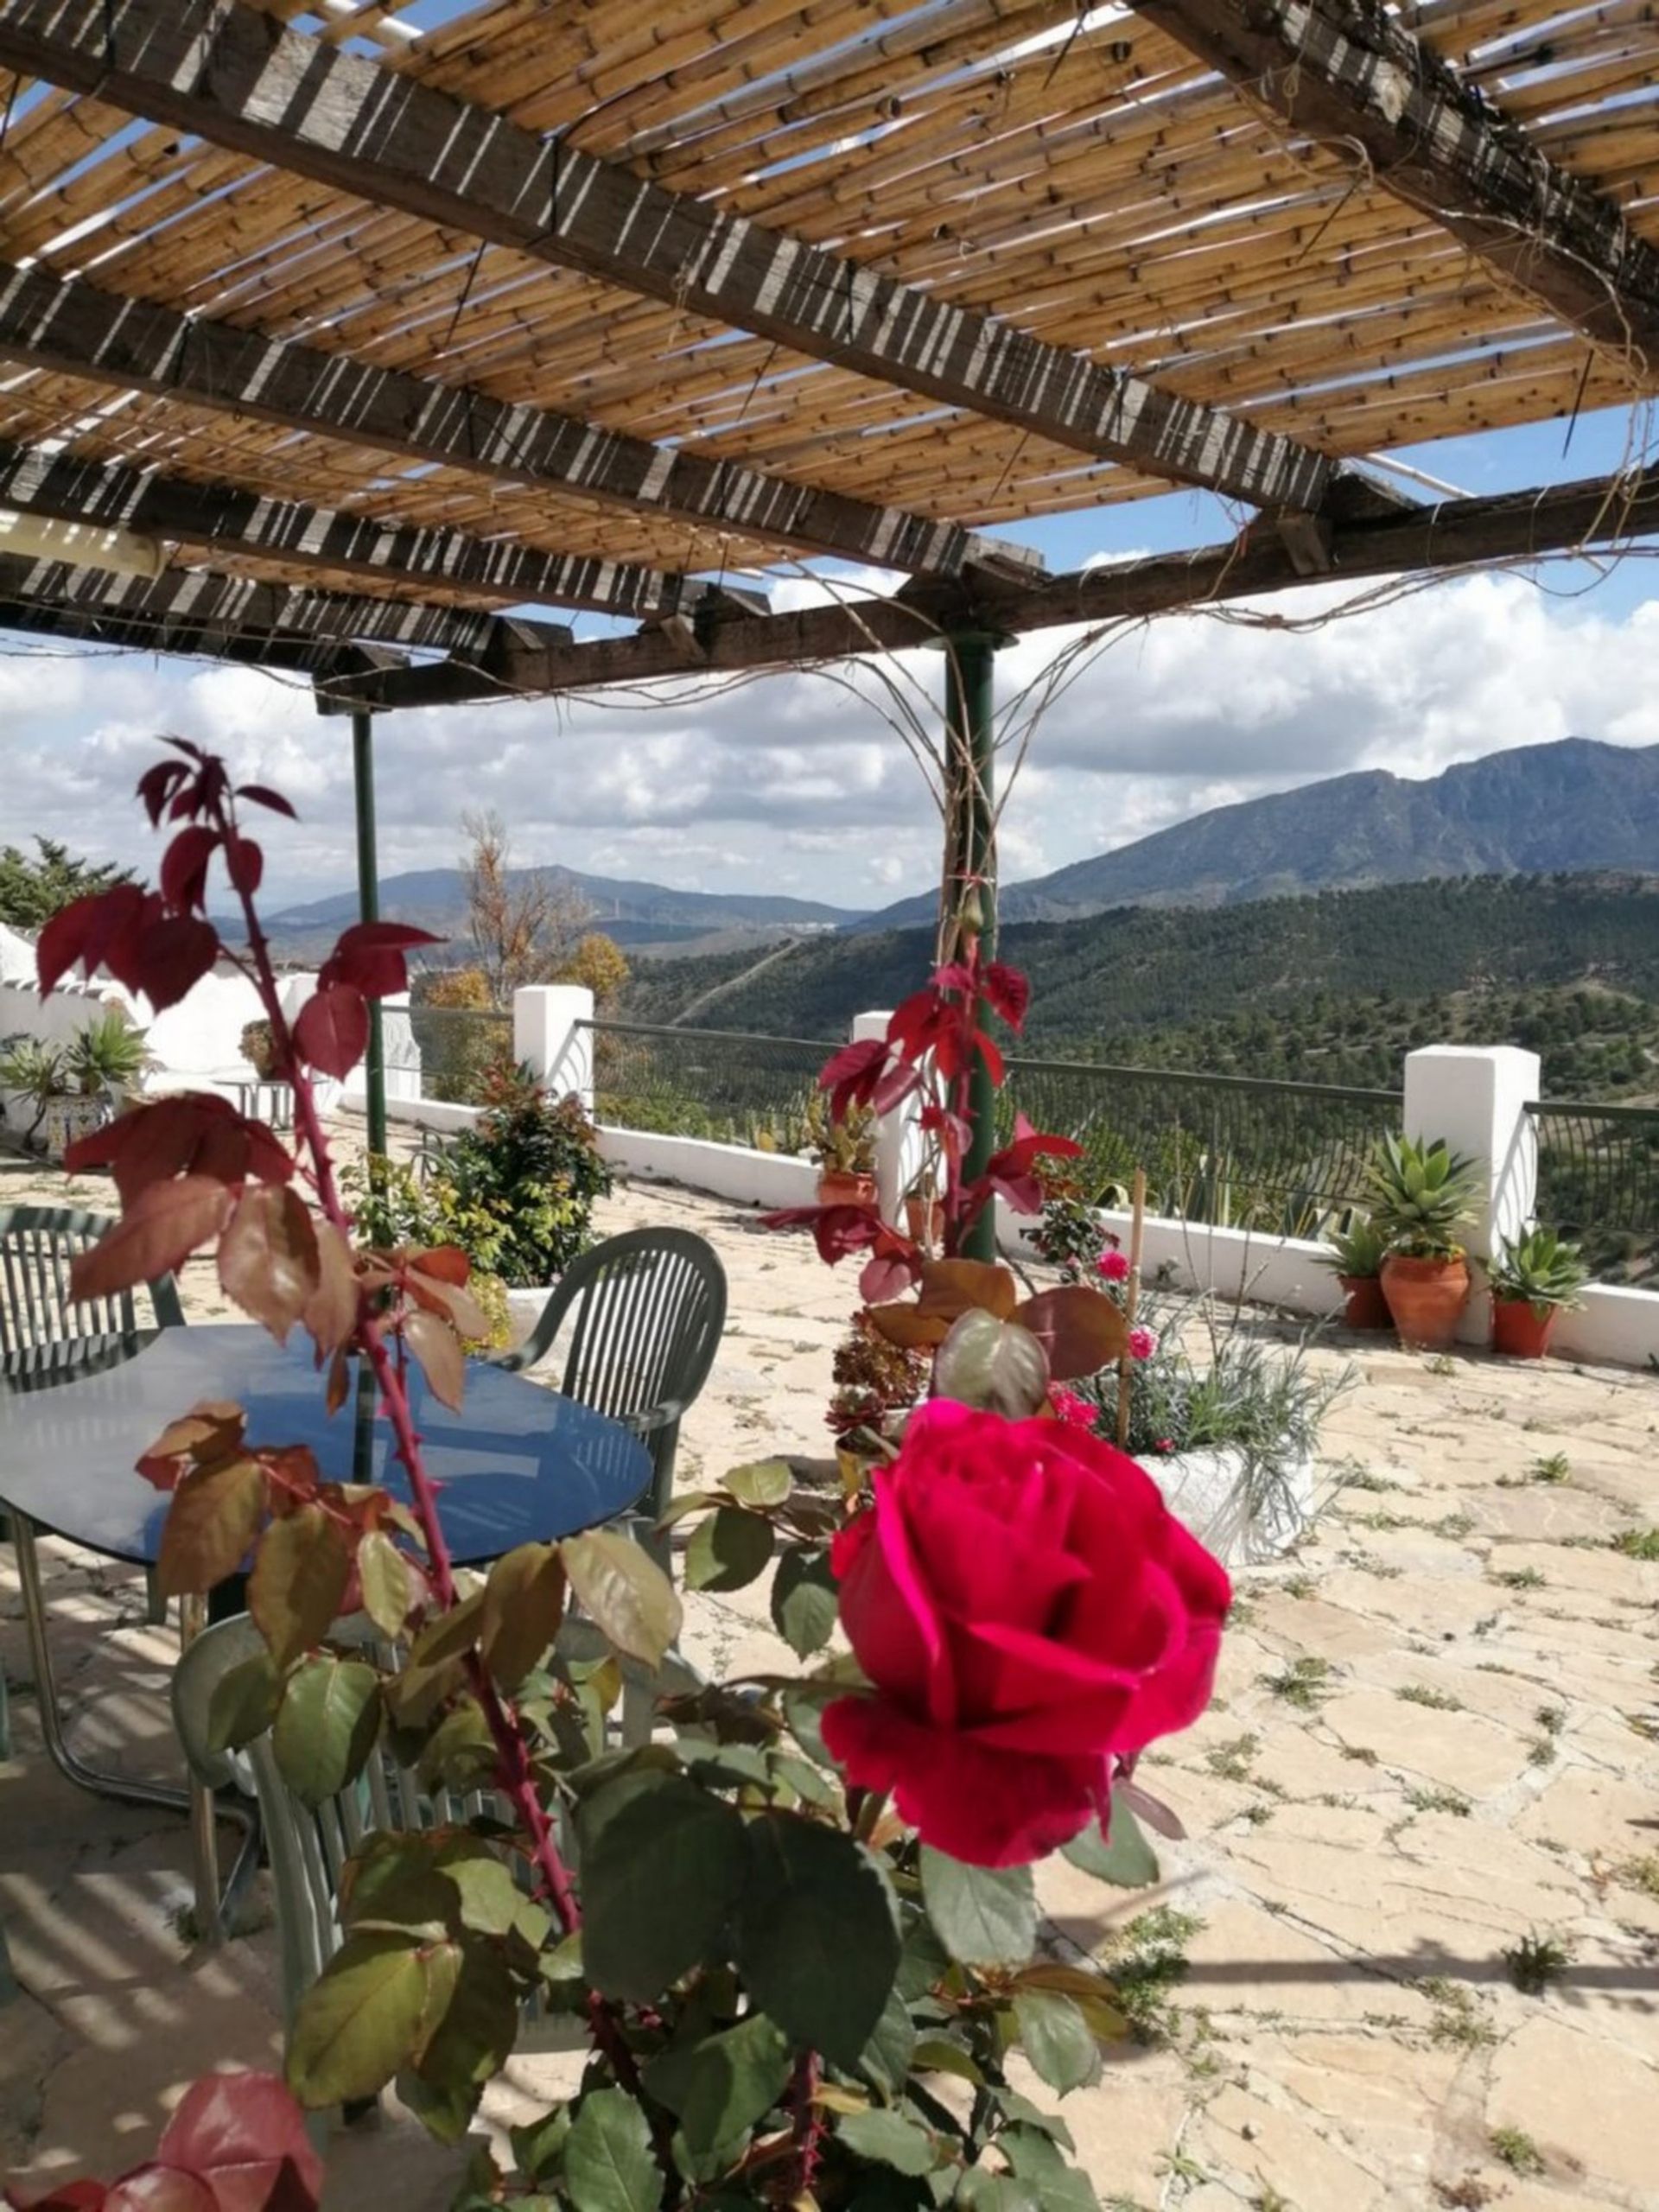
column 108, row 1054
column 35, row 1071
column 1540, row 1268
column 792, row 1991
column 841, row 1144
column 523, row 1183
column 33, row 890
column 1422, row 1196
column 1357, row 1251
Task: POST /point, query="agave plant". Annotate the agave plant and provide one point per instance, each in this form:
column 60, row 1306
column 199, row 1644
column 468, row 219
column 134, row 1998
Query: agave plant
column 1539, row 1267
column 1421, row 1195
column 1357, row 1251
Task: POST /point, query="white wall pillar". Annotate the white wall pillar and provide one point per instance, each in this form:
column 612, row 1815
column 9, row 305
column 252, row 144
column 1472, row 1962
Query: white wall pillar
column 900, row 1149
column 551, row 1030
column 1475, row 1097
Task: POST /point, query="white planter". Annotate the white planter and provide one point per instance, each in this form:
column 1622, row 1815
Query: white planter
column 1212, row 1493
column 75, row 1117
column 524, row 1310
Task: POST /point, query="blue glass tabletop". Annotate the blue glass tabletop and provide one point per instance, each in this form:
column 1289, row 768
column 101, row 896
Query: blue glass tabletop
column 518, row 1464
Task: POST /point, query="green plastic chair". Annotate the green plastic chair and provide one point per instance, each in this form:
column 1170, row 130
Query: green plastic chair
column 309, row 1847
column 647, row 1309
column 37, row 1245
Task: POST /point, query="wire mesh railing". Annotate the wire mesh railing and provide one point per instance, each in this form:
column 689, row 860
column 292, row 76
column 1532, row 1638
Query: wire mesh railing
column 1286, row 1159
column 1598, row 1183
column 721, row 1083
column 458, row 1046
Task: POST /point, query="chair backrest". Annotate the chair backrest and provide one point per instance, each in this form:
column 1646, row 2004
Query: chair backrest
column 37, row 1244
column 646, row 1310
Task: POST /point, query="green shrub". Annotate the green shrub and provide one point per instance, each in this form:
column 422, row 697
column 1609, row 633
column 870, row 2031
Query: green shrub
column 526, row 1179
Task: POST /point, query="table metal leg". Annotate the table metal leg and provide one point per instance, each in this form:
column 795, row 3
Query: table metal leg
column 127, row 1789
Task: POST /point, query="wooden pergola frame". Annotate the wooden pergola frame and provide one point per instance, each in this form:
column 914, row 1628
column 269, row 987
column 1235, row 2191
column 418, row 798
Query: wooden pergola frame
column 615, row 310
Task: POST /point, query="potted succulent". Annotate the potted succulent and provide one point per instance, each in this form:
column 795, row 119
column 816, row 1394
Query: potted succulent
column 925, row 1213
column 1356, row 1253
column 845, row 1147
column 258, row 1044
column 1421, row 1195
column 1532, row 1279
column 32, row 1078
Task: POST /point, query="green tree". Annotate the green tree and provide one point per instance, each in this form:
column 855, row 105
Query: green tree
column 32, row 891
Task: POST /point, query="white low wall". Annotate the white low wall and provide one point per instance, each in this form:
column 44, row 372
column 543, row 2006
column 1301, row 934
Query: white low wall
column 1617, row 1326
column 726, row 1171
column 1188, row 1255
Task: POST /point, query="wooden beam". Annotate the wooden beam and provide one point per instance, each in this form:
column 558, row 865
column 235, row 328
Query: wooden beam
column 223, row 519
column 201, row 598
column 325, row 660
column 75, row 329
column 238, row 77
column 1348, row 72
column 1426, row 540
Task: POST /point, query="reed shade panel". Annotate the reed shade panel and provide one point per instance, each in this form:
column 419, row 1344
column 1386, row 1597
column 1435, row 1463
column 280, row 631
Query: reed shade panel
column 1092, row 182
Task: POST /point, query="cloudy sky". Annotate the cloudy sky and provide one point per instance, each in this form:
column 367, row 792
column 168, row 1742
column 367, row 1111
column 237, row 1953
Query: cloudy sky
column 796, row 784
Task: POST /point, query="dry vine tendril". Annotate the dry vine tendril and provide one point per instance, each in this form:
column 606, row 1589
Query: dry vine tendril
column 799, row 1984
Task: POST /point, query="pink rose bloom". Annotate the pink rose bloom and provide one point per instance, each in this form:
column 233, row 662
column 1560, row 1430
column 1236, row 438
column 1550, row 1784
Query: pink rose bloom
column 1028, row 1613
column 1113, row 1266
column 1068, row 1405
column 1143, row 1343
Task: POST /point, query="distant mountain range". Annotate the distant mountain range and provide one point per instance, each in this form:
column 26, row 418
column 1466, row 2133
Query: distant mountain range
column 1570, row 806
column 636, row 915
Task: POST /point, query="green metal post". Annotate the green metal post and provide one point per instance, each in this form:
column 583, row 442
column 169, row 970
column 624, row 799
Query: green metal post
column 970, row 708
column 368, row 906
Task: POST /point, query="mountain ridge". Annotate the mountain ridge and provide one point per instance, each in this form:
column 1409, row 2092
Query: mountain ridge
column 1568, row 805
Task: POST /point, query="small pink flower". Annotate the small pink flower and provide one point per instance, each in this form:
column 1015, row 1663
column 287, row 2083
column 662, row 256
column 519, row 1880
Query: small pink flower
column 1143, row 1343
column 1113, row 1266
column 1165, row 1444
column 1068, row 1405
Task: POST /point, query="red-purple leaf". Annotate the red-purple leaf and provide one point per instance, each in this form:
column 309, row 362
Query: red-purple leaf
column 330, row 1314
column 1007, row 992
column 157, row 785
column 1156, row 1814
column 262, row 796
column 331, row 1032
column 155, row 1234
column 245, row 2136
column 886, row 1275
column 438, row 1348
column 268, row 1259
column 72, row 2196
column 210, row 1526
column 245, row 863
column 160, row 2189
column 175, row 955
column 1079, row 1329
column 370, row 957
column 184, row 868
column 193, row 1132
column 92, row 931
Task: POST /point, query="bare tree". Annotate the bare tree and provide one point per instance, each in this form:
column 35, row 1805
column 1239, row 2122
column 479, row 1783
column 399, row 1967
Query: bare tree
column 523, row 931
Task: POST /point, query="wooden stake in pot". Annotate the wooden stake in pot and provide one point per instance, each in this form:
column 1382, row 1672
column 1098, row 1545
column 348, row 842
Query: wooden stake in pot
column 1131, row 1299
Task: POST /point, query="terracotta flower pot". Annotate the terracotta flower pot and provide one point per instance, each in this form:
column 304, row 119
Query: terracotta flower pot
column 1365, row 1306
column 1426, row 1299
column 837, row 1189
column 925, row 1219
column 1519, row 1330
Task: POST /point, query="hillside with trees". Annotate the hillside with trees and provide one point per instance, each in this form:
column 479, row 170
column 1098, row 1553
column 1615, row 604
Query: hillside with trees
column 1330, row 989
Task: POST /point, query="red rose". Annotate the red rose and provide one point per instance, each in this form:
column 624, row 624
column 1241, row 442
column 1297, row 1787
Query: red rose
column 1029, row 1613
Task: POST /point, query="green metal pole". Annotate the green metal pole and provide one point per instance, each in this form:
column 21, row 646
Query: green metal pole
column 368, row 906
column 969, row 707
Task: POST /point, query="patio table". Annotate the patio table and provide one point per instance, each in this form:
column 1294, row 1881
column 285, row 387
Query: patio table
column 518, row 1464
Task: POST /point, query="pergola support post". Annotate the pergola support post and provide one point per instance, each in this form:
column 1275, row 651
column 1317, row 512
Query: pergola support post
column 368, row 906
column 970, row 878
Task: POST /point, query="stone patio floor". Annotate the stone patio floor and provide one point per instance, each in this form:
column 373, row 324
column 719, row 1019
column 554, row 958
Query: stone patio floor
column 1435, row 1739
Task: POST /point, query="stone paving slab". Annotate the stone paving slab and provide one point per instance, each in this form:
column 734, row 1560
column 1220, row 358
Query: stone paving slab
column 1435, row 1738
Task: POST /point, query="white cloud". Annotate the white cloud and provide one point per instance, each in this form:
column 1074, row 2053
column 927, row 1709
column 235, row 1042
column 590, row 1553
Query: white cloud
column 798, row 783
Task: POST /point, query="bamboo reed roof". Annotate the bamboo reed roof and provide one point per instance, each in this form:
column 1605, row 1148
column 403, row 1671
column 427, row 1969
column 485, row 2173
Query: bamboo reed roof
column 471, row 401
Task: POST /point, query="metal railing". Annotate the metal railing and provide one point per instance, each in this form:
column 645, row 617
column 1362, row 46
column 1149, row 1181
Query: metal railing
column 1288, row 1159
column 722, row 1084
column 458, row 1046
column 1598, row 1183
